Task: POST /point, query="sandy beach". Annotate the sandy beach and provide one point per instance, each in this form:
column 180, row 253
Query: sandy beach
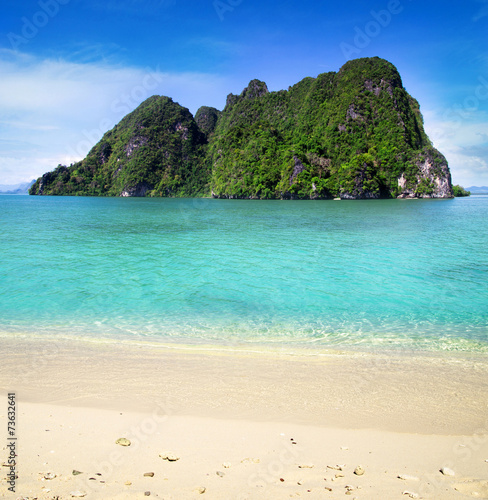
column 239, row 424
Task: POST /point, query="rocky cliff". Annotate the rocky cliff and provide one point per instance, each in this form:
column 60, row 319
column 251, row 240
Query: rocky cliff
column 356, row 134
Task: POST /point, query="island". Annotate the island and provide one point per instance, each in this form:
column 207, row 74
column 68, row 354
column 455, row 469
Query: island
column 352, row 134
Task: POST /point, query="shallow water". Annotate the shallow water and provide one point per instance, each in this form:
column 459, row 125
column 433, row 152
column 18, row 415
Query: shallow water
column 382, row 275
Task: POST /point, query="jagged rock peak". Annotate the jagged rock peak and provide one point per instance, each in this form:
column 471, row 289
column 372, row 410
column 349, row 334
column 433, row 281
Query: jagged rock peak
column 256, row 88
column 206, row 118
column 372, row 69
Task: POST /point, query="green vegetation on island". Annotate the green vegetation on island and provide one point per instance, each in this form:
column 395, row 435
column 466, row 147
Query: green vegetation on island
column 356, row 134
column 459, row 192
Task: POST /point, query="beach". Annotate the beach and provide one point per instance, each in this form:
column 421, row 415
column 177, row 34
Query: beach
column 237, row 422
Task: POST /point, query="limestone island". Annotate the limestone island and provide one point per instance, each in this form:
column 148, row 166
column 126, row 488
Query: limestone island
column 351, row 134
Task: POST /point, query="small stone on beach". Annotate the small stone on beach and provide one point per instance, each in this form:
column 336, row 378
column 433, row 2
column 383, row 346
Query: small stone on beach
column 147, row 493
column 220, row 473
column 406, row 477
column 336, row 467
column 410, row 494
column 306, row 466
column 447, row 471
column 202, row 490
column 76, row 472
column 170, row 457
column 148, row 474
column 49, row 475
column 359, row 471
column 78, row 494
column 123, row 442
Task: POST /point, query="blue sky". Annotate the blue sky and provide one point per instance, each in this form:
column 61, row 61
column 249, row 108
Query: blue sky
column 71, row 69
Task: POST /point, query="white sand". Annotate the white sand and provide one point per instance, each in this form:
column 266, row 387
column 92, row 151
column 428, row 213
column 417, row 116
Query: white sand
column 394, row 415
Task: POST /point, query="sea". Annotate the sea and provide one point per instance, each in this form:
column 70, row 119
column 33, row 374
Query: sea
column 373, row 275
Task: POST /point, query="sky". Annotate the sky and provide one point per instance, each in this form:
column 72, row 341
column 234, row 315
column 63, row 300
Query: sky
column 71, row 69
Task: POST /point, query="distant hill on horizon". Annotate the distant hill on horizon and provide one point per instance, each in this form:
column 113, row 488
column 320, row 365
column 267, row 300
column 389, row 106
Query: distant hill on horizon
column 21, row 188
column 478, row 189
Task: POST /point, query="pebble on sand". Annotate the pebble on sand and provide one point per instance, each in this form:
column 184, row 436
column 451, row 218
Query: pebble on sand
column 49, row 475
column 306, row 466
column 447, row 471
column 359, row 471
column 170, row 457
column 123, row 442
column 76, row 472
column 77, row 494
column 411, row 494
column 407, row 477
column 148, row 474
column 336, row 467
column 202, row 490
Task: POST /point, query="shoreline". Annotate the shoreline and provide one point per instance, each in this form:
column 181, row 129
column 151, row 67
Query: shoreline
column 296, row 348
column 393, row 415
column 348, row 389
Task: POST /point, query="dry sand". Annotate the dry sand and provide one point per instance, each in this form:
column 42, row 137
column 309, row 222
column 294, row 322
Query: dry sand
column 244, row 425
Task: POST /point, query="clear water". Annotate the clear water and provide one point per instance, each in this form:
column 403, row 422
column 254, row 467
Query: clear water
column 385, row 274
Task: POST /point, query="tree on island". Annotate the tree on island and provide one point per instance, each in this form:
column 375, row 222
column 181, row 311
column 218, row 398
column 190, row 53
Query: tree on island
column 458, row 191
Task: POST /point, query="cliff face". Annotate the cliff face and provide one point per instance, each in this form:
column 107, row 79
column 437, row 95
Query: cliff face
column 158, row 150
column 356, row 134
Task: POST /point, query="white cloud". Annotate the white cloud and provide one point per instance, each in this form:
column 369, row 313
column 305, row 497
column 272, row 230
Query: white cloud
column 464, row 143
column 54, row 111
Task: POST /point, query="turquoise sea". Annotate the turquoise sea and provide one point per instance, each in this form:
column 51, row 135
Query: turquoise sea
column 353, row 275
